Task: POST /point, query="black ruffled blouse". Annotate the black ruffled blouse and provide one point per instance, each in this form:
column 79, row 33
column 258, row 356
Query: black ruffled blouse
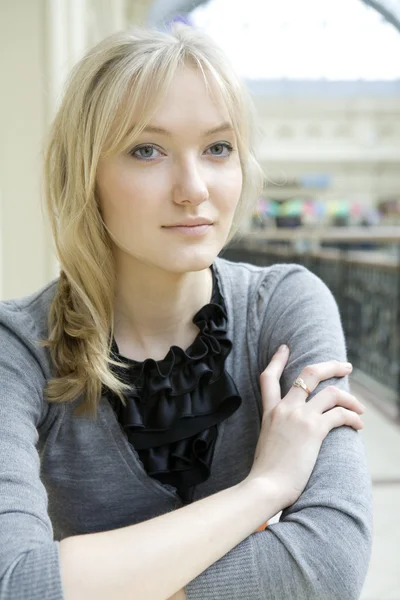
column 176, row 403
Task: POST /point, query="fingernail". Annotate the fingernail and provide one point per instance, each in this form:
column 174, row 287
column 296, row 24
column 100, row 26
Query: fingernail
column 348, row 366
column 283, row 348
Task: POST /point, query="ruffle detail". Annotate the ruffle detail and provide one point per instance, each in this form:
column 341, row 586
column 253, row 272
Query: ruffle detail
column 175, row 405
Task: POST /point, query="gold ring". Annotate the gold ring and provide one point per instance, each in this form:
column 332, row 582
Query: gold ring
column 300, row 383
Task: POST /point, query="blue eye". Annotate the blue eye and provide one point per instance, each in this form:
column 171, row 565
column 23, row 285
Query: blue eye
column 147, row 152
column 220, row 146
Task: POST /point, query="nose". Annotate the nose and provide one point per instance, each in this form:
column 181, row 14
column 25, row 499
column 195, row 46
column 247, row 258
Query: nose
column 190, row 185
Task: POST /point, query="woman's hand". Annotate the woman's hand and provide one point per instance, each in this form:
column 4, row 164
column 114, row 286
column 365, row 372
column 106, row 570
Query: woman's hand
column 292, row 430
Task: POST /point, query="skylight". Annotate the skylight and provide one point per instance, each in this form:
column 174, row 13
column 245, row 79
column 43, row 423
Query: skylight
column 340, row 40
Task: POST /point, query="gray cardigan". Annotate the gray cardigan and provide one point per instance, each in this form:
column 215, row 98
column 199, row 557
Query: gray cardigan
column 62, row 475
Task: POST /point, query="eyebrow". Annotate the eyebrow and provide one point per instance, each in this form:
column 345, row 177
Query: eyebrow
column 223, row 127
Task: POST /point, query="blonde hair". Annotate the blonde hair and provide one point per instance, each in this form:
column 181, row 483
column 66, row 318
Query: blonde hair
column 129, row 68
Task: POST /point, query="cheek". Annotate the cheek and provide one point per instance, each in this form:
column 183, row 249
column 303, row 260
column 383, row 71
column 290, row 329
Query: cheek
column 125, row 192
column 230, row 187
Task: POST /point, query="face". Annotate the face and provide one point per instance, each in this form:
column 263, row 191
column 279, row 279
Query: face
column 177, row 170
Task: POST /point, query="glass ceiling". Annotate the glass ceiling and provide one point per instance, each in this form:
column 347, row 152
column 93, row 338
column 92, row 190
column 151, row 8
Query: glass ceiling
column 162, row 10
column 390, row 9
column 332, row 40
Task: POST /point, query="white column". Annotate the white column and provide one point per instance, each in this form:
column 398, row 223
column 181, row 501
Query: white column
column 66, row 42
column 119, row 15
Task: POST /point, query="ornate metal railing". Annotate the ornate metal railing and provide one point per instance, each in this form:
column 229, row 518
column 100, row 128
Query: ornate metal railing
column 366, row 286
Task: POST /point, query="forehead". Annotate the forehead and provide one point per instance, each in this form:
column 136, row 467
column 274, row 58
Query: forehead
column 188, row 101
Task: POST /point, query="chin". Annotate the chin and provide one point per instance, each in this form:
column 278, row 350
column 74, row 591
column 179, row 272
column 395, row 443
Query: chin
column 195, row 262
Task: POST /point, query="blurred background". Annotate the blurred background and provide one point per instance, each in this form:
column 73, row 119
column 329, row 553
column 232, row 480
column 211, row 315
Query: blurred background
column 325, row 79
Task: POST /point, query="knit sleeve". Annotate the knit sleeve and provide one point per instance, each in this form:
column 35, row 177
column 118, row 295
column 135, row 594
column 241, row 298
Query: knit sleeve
column 29, row 556
column 321, row 547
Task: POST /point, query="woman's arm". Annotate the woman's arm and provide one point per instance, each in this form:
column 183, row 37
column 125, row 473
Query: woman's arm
column 153, row 559
column 181, row 595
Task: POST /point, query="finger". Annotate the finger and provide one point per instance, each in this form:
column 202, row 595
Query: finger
column 332, row 396
column 341, row 416
column 270, row 377
column 312, row 375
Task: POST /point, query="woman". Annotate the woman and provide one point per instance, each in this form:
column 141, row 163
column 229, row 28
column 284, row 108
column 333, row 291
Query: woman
column 149, row 428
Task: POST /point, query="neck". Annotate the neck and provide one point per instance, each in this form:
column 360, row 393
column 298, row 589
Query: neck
column 154, row 309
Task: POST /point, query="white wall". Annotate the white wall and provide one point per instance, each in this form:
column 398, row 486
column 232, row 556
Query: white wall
column 40, row 40
column 24, row 241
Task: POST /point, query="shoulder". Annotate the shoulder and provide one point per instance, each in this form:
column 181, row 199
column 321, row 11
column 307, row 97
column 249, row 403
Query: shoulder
column 23, row 323
column 266, row 281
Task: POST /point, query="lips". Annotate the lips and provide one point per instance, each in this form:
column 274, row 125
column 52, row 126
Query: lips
column 191, row 223
column 194, row 231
